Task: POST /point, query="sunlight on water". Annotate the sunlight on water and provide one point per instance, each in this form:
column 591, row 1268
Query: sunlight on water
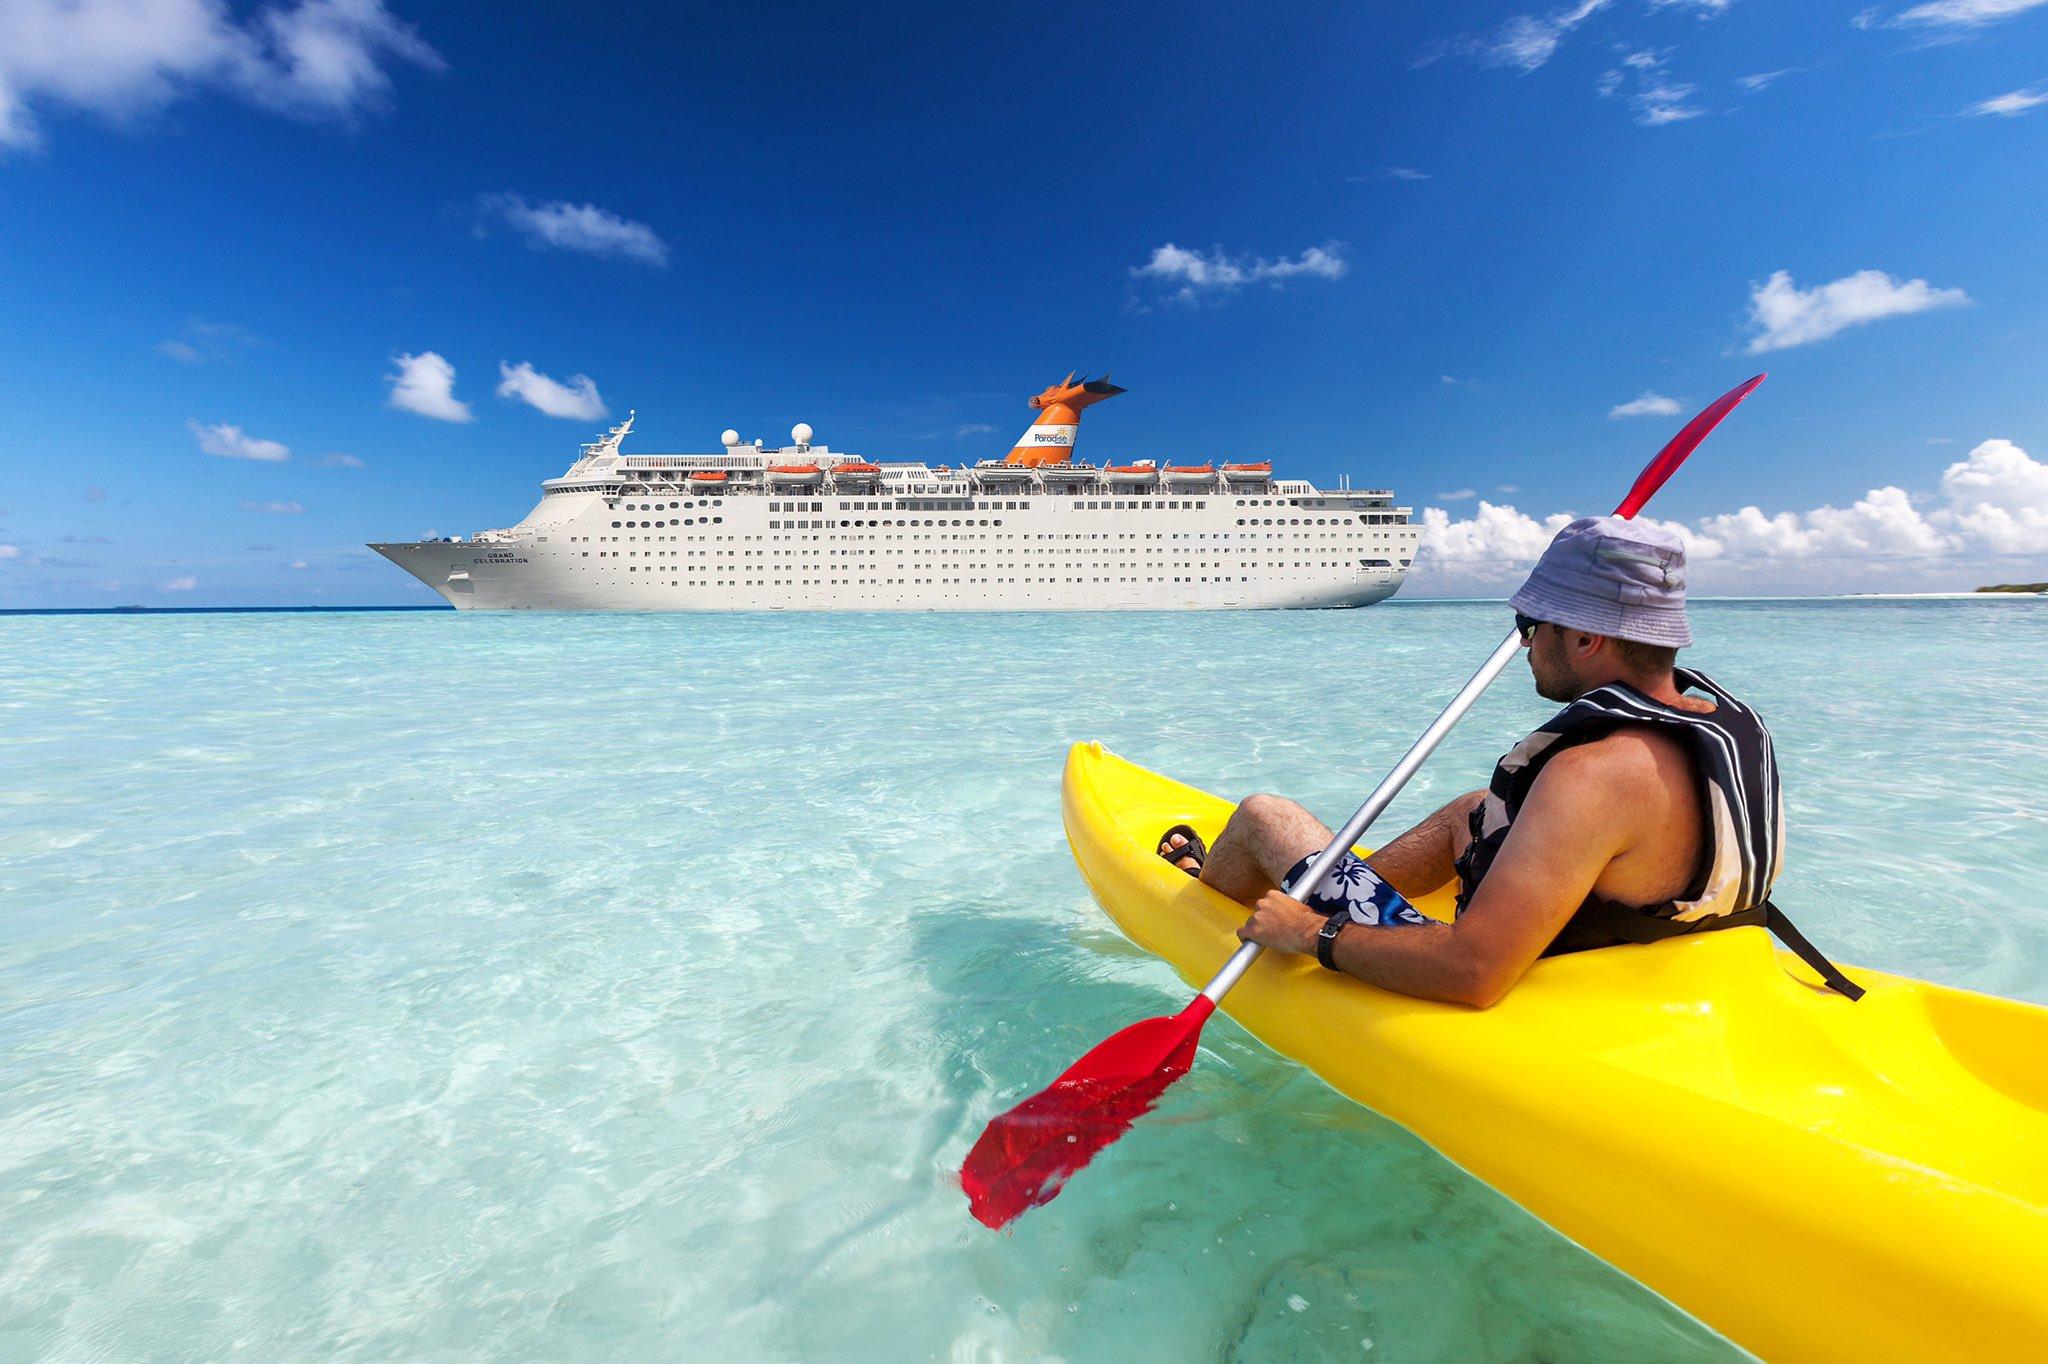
column 393, row 986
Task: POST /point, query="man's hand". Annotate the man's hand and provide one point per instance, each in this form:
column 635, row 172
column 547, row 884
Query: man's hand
column 1282, row 923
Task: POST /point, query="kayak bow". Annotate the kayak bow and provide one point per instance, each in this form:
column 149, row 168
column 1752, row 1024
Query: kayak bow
column 1814, row 1178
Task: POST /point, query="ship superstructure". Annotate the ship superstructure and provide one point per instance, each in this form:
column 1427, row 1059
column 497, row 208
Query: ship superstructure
column 803, row 527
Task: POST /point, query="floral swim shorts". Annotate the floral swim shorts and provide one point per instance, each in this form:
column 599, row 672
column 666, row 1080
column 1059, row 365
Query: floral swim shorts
column 1354, row 888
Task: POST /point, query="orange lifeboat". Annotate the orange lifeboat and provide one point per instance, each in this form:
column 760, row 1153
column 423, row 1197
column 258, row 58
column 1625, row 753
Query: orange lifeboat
column 1261, row 472
column 1133, row 475
column 711, row 477
column 795, row 475
column 857, row 467
column 1190, row 473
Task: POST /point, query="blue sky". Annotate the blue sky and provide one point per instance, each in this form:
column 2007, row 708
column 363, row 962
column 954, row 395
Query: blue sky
column 1434, row 246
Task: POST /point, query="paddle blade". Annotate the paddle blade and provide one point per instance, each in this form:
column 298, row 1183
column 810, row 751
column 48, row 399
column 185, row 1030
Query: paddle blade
column 1026, row 1155
column 1684, row 443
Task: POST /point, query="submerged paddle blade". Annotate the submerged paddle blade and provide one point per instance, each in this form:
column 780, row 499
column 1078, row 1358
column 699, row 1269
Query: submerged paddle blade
column 1026, row 1155
column 1684, row 443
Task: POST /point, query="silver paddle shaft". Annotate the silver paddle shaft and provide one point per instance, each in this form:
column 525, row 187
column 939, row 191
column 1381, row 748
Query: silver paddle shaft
column 1382, row 796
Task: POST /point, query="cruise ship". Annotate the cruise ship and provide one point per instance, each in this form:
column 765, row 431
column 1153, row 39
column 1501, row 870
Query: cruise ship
column 806, row 528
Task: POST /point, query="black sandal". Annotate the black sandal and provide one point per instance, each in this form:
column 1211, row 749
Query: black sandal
column 1194, row 847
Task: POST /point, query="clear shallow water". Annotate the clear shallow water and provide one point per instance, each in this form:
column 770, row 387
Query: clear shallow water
column 423, row 986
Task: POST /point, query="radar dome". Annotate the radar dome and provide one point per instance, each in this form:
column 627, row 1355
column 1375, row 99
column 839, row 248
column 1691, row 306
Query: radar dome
column 801, row 433
column 729, row 438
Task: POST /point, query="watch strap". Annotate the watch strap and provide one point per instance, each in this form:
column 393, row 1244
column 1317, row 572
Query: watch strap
column 1326, row 939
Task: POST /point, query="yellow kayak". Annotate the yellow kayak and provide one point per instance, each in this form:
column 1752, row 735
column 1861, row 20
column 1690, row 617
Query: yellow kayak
column 1812, row 1177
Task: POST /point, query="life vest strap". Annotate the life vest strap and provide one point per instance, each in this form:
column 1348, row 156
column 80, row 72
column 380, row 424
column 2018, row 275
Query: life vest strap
column 1603, row 923
column 1830, row 974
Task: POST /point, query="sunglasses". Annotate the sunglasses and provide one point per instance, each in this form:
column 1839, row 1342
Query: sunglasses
column 1526, row 627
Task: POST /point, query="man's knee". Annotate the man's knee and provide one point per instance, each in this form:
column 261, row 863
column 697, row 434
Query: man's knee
column 1266, row 812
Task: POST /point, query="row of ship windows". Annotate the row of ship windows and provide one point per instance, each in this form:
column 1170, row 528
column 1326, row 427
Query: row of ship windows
column 844, row 525
column 827, row 525
column 904, row 582
column 971, row 548
column 691, row 554
column 970, row 504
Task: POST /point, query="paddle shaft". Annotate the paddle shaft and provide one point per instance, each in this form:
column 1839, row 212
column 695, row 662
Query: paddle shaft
column 1375, row 804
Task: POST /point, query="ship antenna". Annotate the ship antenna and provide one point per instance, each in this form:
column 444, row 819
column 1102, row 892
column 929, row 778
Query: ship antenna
column 608, row 444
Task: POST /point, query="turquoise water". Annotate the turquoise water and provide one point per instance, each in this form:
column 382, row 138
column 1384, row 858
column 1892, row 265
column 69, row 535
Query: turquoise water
column 436, row 986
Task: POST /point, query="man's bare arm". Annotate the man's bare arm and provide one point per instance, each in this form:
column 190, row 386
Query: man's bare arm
column 1578, row 817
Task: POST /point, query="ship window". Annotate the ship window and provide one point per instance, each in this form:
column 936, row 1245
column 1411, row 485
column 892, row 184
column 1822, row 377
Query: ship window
column 615, row 525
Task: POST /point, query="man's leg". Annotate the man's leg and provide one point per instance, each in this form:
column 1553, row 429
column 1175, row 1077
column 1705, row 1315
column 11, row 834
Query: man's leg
column 1267, row 835
column 1426, row 856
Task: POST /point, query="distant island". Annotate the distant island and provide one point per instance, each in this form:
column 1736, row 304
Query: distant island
column 2015, row 587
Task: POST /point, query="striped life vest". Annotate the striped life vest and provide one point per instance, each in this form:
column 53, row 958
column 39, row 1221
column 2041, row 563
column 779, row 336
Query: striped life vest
column 1740, row 793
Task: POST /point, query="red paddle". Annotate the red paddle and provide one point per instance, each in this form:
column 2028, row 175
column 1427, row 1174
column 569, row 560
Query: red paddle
column 1026, row 1155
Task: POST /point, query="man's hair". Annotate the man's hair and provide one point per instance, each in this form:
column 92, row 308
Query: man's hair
column 1646, row 658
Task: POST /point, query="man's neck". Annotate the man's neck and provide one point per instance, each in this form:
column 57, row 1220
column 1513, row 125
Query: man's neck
column 1662, row 688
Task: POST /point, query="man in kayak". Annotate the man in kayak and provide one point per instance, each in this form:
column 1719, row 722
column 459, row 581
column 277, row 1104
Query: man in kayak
column 1647, row 807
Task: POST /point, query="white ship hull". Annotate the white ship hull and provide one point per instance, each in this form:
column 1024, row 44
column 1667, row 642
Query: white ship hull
column 471, row 580
column 645, row 533
column 995, row 553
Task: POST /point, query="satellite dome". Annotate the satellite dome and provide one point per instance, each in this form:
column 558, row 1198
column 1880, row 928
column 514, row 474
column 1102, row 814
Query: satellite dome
column 801, row 433
column 730, row 438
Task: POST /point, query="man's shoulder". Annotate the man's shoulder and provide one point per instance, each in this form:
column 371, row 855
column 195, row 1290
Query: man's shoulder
column 1630, row 760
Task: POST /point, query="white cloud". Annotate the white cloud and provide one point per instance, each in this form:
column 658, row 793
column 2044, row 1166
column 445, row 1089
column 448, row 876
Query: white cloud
column 9, row 552
column 275, row 508
column 1754, row 83
column 577, row 398
column 973, row 429
column 1708, row 9
column 1783, row 315
column 1952, row 14
column 231, row 442
column 2010, row 105
column 562, row 226
column 1649, row 405
column 1215, row 273
column 425, row 383
column 340, row 461
column 1998, row 496
column 199, row 341
column 1527, row 41
column 185, row 584
column 1656, row 98
column 1989, row 509
column 120, row 59
column 1403, row 173
column 1460, row 495
column 300, row 564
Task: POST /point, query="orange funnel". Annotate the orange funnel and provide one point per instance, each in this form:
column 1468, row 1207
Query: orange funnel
column 1050, row 439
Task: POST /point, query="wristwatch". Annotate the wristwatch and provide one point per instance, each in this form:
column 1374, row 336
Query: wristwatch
column 1326, row 940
